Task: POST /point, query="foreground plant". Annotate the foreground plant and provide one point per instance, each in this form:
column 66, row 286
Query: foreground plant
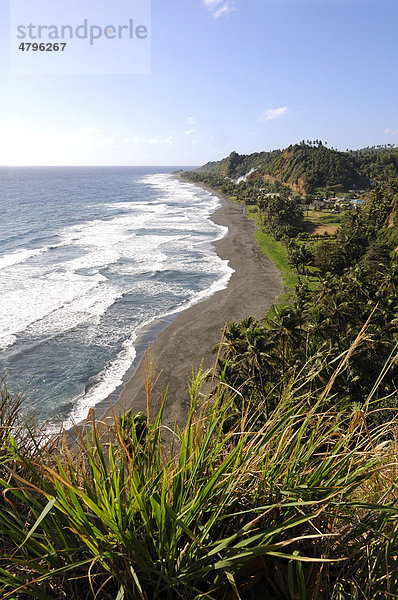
column 303, row 506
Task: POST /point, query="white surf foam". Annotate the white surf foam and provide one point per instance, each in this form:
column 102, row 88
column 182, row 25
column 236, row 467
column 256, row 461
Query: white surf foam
column 98, row 262
column 109, row 380
column 52, row 295
column 112, row 376
column 31, row 299
column 19, row 256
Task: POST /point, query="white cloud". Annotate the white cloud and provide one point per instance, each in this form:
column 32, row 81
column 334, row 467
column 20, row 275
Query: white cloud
column 224, row 9
column 219, row 8
column 168, row 140
column 189, row 131
column 273, row 113
column 391, row 131
column 191, row 120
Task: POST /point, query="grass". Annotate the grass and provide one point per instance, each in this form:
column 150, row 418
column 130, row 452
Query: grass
column 316, row 222
column 304, row 506
column 275, row 250
column 330, row 219
column 322, row 216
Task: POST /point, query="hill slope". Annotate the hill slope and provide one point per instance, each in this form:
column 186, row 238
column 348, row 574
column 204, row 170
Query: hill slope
column 309, row 166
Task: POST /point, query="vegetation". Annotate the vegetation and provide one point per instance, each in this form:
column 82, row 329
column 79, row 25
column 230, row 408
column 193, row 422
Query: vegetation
column 310, row 167
column 378, row 161
column 358, row 283
column 274, row 249
column 368, row 236
column 356, row 271
column 307, row 167
column 279, row 256
column 300, row 505
column 238, row 165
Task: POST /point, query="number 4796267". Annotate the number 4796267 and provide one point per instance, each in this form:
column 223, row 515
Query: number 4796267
column 43, row 47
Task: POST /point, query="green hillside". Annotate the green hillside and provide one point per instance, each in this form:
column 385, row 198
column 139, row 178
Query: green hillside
column 238, row 165
column 308, row 167
column 377, row 161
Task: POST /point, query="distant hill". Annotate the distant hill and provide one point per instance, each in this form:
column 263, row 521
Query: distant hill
column 238, row 165
column 309, row 166
column 377, row 161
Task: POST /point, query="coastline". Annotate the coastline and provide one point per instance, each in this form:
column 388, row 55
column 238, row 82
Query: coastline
column 185, row 340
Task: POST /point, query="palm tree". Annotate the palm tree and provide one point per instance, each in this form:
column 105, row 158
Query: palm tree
column 248, row 353
column 262, row 204
column 285, row 329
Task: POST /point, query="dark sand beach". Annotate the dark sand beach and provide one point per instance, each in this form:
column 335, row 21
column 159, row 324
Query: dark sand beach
column 253, row 288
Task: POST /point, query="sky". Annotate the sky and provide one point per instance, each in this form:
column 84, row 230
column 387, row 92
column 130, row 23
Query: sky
column 224, row 75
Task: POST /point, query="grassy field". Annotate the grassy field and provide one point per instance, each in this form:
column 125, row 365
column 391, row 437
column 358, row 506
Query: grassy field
column 319, row 222
column 276, row 251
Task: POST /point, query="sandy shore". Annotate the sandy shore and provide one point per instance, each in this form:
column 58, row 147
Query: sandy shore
column 253, row 288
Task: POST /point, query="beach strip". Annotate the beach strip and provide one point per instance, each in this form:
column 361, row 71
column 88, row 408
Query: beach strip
column 181, row 347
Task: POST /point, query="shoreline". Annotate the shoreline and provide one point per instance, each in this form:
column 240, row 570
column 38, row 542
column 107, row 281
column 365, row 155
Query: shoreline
column 182, row 341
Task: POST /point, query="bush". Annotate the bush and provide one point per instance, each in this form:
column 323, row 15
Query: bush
column 217, row 514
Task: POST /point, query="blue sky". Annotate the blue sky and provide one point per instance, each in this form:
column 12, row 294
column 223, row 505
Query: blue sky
column 244, row 75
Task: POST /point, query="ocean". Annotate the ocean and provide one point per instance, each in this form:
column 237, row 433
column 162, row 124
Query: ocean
column 88, row 258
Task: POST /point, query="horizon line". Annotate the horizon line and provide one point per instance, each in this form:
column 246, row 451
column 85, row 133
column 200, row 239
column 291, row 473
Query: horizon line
column 93, row 166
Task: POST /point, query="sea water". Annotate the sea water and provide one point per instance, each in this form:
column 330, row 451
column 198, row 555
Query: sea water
column 88, row 256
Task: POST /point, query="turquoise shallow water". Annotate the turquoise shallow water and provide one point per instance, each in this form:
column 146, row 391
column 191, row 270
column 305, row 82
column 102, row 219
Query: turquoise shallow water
column 88, row 256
